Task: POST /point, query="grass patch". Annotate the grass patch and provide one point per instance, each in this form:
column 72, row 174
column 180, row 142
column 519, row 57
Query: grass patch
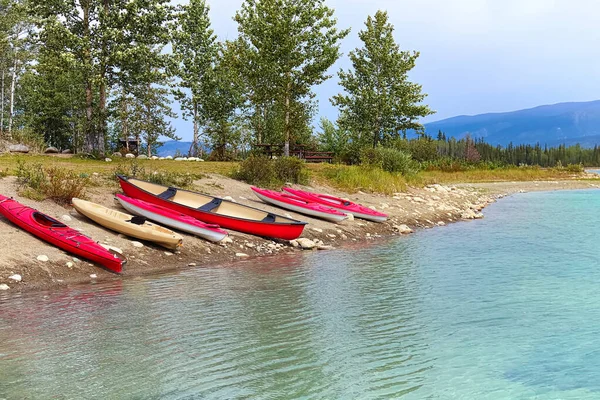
column 367, row 179
column 495, row 175
column 58, row 184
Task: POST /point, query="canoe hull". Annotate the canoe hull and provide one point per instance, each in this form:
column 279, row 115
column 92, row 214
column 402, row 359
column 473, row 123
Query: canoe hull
column 328, row 216
column 116, row 221
column 286, row 231
column 144, row 209
column 63, row 237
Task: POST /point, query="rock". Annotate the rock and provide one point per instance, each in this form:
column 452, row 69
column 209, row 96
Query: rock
column 344, row 237
column 129, row 155
column 168, row 253
column 349, row 217
column 51, row 150
column 368, row 234
column 373, row 208
column 142, row 157
column 154, row 157
column 4, row 286
column 108, row 159
column 109, row 247
column 180, row 159
column 93, row 276
column 294, row 243
column 192, row 158
column 168, row 157
column 306, row 244
column 331, row 235
column 226, row 240
column 200, row 159
column 69, row 264
column 137, row 244
column 42, row 258
column 441, row 223
column 402, row 229
column 66, row 218
column 75, row 259
column 16, row 277
column 250, row 245
column 384, row 206
column 229, row 198
column 324, row 247
column 116, row 154
column 243, row 198
column 241, row 255
column 191, row 264
column 66, row 151
column 319, row 230
column 18, row 148
column 272, row 246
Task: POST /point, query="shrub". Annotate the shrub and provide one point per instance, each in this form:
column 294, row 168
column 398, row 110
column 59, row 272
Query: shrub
column 290, row 169
column 58, row 184
column 262, row 171
column 423, row 149
column 390, row 160
column 34, row 141
column 575, row 168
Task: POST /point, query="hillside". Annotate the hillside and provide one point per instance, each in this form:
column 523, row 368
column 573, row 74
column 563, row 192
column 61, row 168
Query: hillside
column 568, row 123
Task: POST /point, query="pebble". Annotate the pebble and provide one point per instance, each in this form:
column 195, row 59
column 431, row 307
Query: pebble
column 319, row 230
column 294, row 243
column 402, row 229
column 229, row 198
column 16, row 277
column 191, row 264
column 4, row 286
column 75, row 259
column 108, row 159
column 226, row 240
column 137, row 244
column 250, row 245
column 42, row 258
column 324, row 247
column 241, row 255
column 93, row 276
column 306, row 244
column 66, row 218
column 350, row 217
column 69, row 264
column 168, row 253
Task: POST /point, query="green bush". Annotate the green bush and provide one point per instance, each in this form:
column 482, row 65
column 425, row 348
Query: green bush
column 262, row 171
column 34, row 141
column 575, row 168
column 423, row 149
column 390, row 160
column 59, row 184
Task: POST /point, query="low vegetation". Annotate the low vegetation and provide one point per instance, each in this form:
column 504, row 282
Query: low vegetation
column 265, row 172
column 160, row 176
column 38, row 182
column 353, row 178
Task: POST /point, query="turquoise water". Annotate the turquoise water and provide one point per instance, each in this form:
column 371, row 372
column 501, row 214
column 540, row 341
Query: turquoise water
column 507, row 307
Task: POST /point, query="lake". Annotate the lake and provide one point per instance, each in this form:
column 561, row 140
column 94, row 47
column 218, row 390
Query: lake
column 507, row 307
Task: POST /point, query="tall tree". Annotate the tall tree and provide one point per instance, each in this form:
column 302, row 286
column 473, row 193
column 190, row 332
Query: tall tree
column 380, row 101
column 288, row 46
column 194, row 52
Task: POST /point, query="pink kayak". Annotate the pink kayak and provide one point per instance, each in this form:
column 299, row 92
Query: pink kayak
column 340, row 204
column 171, row 218
column 297, row 204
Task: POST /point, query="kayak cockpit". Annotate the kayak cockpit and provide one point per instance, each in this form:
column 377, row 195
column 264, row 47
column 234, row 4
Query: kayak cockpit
column 47, row 221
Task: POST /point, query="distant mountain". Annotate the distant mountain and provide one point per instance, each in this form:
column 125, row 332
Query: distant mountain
column 170, row 147
column 568, row 123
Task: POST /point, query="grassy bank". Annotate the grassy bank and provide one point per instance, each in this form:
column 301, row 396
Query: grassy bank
column 343, row 177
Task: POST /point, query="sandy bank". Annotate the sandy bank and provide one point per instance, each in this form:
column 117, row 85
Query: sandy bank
column 435, row 205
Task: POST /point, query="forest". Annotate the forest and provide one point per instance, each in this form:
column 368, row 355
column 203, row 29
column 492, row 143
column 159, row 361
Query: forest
column 83, row 74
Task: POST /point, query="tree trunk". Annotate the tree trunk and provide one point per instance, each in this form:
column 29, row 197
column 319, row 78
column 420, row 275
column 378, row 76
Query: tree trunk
column 12, row 97
column 2, row 106
column 89, row 141
column 286, row 150
column 194, row 149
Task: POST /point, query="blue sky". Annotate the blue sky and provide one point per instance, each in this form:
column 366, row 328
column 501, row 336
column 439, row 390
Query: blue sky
column 477, row 56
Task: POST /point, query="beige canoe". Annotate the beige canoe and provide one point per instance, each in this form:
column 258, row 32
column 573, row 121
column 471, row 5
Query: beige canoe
column 121, row 222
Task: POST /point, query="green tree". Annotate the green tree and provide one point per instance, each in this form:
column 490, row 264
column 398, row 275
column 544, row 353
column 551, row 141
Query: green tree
column 331, row 138
column 194, row 53
column 380, row 101
column 286, row 48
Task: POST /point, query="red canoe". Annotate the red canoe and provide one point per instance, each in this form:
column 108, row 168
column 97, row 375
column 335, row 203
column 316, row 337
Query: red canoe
column 214, row 210
column 59, row 234
column 340, row 204
column 171, row 218
column 298, row 204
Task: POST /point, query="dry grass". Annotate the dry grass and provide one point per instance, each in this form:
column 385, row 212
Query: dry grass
column 496, row 175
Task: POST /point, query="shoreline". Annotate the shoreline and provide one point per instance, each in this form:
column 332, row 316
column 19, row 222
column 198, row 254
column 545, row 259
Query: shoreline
column 417, row 208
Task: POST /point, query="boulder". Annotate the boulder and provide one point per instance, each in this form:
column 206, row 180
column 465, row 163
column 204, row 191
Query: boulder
column 18, row 148
column 66, row 151
column 129, row 155
column 181, row 159
column 402, row 229
column 142, row 157
column 51, row 150
column 154, row 157
column 116, row 154
column 168, row 157
column 306, row 244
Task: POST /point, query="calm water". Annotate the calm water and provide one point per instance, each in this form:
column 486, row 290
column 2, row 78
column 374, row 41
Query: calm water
column 503, row 308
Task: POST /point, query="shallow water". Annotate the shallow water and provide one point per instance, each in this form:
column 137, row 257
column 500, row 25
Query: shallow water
column 503, row 308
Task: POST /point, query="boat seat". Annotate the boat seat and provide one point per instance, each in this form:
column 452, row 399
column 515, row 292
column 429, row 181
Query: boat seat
column 269, row 218
column 208, row 207
column 346, row 203
column 167, row 194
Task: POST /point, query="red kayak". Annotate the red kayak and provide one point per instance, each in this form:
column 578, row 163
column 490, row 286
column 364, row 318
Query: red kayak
column 59, row 234
column 214, row 210
column 340, row 204
column 298, row 204
column 172, row 218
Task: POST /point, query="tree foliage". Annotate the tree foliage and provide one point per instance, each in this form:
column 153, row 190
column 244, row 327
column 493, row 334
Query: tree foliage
column 379, row 100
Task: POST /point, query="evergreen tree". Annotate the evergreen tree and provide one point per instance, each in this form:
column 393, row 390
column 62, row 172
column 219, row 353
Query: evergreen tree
column 380, row 101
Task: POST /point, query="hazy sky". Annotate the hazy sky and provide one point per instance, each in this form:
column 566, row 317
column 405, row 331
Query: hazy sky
column 476, row 55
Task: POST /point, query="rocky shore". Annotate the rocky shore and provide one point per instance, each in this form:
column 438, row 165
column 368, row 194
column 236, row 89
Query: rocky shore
column 28, row 263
